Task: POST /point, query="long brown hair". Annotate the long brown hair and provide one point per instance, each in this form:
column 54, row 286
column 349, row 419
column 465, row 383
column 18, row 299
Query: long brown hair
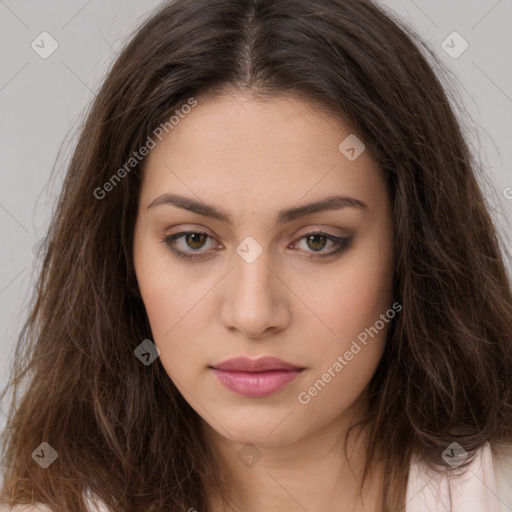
column 120, row 428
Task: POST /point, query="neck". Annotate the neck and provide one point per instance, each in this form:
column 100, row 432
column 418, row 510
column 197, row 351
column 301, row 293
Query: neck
column 311, row 473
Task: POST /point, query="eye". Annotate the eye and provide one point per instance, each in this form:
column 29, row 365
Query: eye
column 318, row 240
column 196, row 240
column 192, row 239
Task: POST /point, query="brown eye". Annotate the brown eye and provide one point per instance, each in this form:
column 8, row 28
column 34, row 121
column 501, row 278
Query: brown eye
column 195, row 240
column 316, row 244
column 191, row 242
column 317, row 241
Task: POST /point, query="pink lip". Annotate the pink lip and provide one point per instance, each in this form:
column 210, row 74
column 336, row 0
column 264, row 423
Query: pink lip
column 255, row 378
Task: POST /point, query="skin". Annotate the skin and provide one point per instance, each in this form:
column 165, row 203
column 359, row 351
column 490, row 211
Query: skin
column 253, row 158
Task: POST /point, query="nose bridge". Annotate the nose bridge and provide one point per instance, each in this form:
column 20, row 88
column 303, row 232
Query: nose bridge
column 252, row 276
column 252, row 303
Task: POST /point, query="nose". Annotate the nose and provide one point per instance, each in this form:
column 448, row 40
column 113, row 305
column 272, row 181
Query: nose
column 255, row 298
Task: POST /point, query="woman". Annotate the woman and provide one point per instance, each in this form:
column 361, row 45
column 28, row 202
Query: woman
column 272, row 281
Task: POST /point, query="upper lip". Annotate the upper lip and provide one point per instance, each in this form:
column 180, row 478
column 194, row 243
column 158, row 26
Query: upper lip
column 245, row 364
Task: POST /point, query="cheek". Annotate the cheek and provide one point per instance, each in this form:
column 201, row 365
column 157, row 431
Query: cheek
column 172, row 314
column 172, row 304
column 333, row 391
column 344, row 362
column 351, row 305
column 167, row 314
column 159, row 287
column 370, row 277
column 357, row 292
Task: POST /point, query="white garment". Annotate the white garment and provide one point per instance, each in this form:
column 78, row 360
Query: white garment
column 485, row 486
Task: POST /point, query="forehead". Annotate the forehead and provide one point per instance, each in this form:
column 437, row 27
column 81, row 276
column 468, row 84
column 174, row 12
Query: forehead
column 274, row 151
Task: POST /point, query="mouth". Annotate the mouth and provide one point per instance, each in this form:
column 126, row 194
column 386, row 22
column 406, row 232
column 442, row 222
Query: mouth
column 256, row 378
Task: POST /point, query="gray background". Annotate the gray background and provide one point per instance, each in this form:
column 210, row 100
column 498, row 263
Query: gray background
column 42, row 100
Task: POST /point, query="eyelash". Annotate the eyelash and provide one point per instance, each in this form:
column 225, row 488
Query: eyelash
column 341, row 244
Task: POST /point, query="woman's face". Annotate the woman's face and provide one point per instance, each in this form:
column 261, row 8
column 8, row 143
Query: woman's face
column 258, row 281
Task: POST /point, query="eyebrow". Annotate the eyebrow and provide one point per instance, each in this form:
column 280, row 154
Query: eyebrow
column 335, row 202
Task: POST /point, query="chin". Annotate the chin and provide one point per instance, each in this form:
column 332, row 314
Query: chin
column 268, row 430
column 261, row 439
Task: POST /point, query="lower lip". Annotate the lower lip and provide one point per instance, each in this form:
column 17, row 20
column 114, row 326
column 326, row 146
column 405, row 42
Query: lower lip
column 256, row 384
